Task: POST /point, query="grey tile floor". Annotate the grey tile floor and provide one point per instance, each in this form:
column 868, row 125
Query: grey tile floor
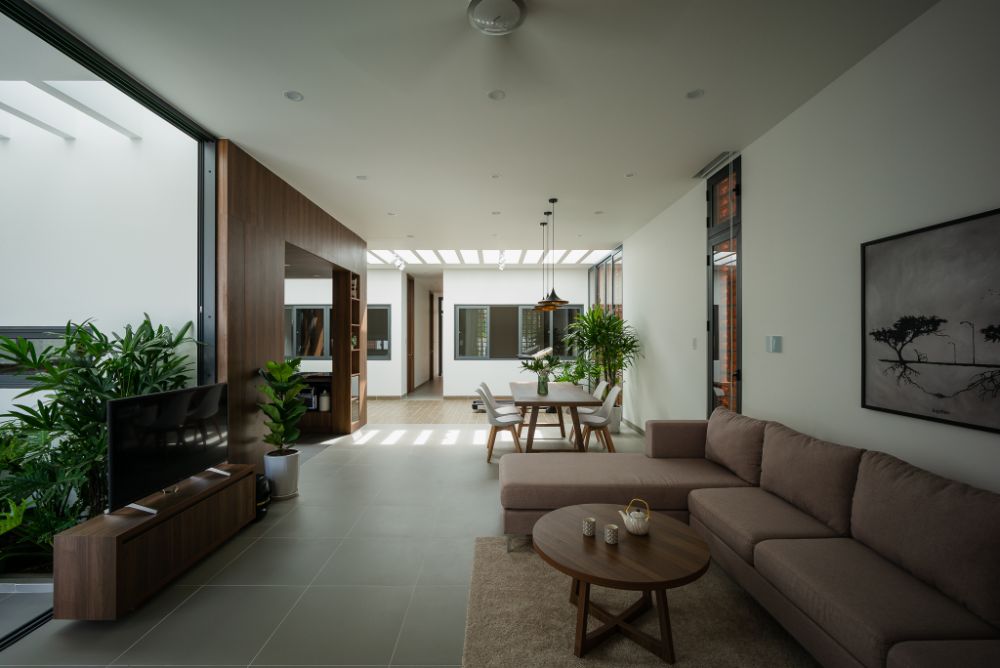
column 369, row 566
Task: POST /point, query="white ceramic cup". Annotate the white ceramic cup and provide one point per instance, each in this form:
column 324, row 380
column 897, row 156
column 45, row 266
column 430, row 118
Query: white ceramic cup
column 611, row 534
column 589, row 526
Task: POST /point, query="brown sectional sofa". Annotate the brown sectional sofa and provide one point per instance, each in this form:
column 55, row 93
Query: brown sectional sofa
column 865, row 559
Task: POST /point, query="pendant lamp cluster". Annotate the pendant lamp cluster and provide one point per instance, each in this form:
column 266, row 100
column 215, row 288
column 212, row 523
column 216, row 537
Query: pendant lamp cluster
column 550, row 301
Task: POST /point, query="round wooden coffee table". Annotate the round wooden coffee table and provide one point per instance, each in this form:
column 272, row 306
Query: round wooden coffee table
column 671, row 555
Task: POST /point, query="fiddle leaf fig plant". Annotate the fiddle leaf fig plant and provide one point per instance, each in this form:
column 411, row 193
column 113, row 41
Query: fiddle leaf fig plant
column 284, row 408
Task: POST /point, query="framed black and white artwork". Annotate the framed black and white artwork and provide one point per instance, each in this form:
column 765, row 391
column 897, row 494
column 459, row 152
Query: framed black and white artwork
column 931, row 322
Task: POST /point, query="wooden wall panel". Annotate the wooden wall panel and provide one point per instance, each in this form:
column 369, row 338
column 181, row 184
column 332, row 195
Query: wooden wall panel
column 257, row 214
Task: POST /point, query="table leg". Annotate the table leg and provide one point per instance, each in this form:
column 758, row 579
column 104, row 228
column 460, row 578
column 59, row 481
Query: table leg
column 582, row 612
column 573, row 413
column 666, row 637
column 574, row 588
column 531, row 428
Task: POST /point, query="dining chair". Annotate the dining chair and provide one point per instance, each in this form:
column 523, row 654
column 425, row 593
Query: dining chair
column 499, row 423
column 501, row 409
column 599, row 394
column 598, row 421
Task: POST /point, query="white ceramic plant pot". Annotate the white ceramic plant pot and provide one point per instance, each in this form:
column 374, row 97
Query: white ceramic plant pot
column 615, row 423
column 283, row 472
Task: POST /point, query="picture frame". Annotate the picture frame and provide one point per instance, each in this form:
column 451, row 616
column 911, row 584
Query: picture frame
column 930, row 322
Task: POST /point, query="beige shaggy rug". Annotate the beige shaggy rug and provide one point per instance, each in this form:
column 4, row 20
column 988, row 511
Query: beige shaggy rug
column 520, row 615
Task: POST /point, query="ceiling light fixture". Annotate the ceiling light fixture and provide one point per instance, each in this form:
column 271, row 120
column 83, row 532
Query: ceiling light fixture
column 496, row 95
column 390, row 213
column 361, row 177
column 629, row 175
column 496, row 17
column 695, row 94
column 502, row 261
column 398, row 262
column 294, row 95
column 494, row 213
column 552, row 301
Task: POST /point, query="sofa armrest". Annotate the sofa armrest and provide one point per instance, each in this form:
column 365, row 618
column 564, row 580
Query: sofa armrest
column 676, row 438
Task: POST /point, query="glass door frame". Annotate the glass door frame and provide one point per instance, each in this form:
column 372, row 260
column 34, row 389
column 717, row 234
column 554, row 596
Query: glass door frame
column 719, row 232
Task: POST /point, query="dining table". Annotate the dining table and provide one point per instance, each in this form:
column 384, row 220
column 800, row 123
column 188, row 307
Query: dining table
column 560, row 395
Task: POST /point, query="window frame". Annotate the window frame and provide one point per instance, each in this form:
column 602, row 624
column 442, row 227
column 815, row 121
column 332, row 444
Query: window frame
column 550, row 343
column 388, row 325
column 20, row 381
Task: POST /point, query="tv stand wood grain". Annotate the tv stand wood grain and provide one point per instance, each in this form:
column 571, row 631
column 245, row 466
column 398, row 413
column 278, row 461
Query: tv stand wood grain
column 109, row 565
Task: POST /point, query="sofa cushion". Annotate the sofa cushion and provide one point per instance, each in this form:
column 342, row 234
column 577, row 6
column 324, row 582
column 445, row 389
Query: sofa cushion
column 937, row 653
column 813, row 475
column 554, row 480
column 675, row 438
column 735, row 441
column 741, row 517
column 866, row 603
column 944, row 532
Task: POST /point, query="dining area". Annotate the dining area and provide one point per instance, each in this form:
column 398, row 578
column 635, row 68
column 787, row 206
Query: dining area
column 589, row 415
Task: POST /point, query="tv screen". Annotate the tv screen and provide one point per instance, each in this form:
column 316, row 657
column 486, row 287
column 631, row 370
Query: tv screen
column 157, row 440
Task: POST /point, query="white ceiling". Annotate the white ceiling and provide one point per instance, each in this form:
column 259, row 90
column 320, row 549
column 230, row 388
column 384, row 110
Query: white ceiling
column 396, row 90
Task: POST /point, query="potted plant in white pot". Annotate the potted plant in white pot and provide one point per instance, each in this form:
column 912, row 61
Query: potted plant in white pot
column 610, row 344
column 283, row 410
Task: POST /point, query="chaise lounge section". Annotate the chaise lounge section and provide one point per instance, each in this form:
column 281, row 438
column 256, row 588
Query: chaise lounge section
column 867, row 560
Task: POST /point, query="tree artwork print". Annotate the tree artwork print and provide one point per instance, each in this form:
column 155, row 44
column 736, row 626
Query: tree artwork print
column 931, row 322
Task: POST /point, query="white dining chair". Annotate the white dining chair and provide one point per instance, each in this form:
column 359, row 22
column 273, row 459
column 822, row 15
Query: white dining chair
column 501, row 409
column 499, row 423
column 599, row 394
column 598, row 421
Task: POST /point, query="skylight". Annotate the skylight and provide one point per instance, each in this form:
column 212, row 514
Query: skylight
column 574, row 256
column 384, row 255
column 373, row 259
column 470, row 256
column 553, row 256
column 531, row 257
column 429, row 256
column 596, row 256
column 449, row 256
column 409, row 256
column 512, row 256
column 491, row 256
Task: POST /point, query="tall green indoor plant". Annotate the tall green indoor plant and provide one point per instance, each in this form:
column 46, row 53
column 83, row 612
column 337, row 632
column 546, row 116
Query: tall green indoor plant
column 606, row 340
column 283, row 410
column 53, row 453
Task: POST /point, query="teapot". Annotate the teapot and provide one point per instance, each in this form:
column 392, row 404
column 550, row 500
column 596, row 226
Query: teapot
column 636, row 521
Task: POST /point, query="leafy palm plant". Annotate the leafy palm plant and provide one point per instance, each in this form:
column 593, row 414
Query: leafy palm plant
column 54, row 453
column 606, row 339
column 283, row 408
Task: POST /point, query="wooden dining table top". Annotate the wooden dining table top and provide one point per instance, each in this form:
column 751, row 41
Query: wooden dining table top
column 560, row 394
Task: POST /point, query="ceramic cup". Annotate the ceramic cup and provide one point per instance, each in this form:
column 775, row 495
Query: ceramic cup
column 611, row 534
column 589, row 526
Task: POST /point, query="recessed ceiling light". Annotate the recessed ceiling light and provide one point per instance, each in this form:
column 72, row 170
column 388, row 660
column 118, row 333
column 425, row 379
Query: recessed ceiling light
column 361, row 177
column 496, row 95
column 598, row 213
column 294, row 95
column 695, row 94
column 494, row 176
column 629, row 175
column 494, row 213
column 409, row 236
column 390, row 213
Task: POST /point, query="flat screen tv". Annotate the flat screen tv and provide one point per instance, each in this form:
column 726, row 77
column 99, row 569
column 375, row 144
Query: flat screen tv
column 158, row 440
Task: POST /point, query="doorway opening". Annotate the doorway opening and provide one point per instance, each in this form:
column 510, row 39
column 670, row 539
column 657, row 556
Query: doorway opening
column 725, row 375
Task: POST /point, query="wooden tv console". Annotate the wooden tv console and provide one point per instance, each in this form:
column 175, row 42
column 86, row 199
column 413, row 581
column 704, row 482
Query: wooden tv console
column 109, row 565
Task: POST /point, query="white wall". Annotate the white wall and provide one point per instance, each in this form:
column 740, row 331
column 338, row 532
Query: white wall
column 101, row 227
column 474, row 286
column 905, row 139
column 664, row 299
column 387, row 378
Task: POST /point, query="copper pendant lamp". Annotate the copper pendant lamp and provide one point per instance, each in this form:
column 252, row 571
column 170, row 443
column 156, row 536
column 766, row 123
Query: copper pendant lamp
column 552, row 301
column 543, row 304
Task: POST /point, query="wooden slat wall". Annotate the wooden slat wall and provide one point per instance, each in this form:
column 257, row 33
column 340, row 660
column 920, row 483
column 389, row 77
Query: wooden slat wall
column 257, row 214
